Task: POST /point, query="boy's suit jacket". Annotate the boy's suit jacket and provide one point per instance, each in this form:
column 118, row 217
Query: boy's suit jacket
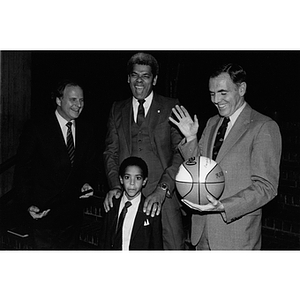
column 249, row 158
column 146, row 232
column 44, row 176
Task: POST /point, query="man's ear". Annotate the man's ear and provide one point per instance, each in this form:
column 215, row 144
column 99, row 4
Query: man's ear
column 128, row 79
column 145, row 181
column 58, row 101
column 154, row 80
column 242, row 89
column 121, row 179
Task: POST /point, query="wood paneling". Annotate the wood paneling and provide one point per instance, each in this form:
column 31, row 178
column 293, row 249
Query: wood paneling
column 15, row 74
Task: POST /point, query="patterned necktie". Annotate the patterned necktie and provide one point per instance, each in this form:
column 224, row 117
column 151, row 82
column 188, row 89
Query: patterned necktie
column 220, row 137
column 118, row 236
column 70, row 143
column 141, row 112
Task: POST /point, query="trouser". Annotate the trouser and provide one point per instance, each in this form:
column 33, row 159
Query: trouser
column 172, row 225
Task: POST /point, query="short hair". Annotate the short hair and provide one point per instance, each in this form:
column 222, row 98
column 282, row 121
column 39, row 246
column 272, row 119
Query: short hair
column 235, row 71
column 142, row 58
column 133, row 161
column 59, row 92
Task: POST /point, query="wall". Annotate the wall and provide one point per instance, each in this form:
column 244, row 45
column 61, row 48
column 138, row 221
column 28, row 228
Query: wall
column 15, row 74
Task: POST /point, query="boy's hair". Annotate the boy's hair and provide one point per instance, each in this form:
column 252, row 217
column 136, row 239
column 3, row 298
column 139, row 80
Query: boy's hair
column 133, row 161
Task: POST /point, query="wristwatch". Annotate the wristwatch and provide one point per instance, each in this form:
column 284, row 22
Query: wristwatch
column 165, row 188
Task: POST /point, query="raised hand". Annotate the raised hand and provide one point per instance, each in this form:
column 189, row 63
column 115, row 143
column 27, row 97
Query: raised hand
column 185, row 123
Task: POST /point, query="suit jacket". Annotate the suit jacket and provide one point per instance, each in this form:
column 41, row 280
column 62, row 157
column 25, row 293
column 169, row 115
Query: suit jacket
column 249, row 158
column 44, row 176
column 164, row 139
column 146, row 232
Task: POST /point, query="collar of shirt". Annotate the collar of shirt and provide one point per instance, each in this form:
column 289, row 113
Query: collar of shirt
column 135, row 105
column 233, row 118
column 129, row 219
column 62, row 123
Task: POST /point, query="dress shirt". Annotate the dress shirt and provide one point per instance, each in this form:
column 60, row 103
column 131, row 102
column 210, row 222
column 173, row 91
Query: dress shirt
column 62, row 122
column 129, row 219
column 233, row 118
column 135, row 105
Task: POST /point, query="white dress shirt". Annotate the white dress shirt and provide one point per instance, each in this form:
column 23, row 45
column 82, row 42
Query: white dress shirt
column 129, row 219
column 147, row 103
column 62, row 122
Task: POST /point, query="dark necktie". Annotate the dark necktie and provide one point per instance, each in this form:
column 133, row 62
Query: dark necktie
column 70, row 143
column 141, row 112
column 118, row 236
column 220, row 137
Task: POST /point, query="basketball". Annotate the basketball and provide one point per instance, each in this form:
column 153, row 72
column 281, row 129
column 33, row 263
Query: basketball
column 197, row 177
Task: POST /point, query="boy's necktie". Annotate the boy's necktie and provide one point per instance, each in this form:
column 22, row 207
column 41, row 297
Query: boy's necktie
column 118, row 236
column 220, row 137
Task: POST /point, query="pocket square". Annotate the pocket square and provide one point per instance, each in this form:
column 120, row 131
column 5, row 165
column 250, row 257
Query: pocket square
column 146, row 222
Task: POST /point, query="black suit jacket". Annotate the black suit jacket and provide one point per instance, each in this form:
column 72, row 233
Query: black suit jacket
column 146, row 232
column 43, row 174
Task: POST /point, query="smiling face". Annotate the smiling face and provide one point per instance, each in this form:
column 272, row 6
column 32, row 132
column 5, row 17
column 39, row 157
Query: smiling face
column 133, row 181
column 226, row 95
column 70, row 105
column 141, row 81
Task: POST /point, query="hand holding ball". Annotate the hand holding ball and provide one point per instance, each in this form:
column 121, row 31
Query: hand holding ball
column 197, row 177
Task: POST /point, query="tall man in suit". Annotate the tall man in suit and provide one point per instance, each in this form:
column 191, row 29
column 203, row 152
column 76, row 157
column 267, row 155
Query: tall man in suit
column 154, row 139
column 249, row 156
column 50, row 177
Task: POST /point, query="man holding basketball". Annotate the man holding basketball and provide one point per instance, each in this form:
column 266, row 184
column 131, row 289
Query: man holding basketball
column 249, row 156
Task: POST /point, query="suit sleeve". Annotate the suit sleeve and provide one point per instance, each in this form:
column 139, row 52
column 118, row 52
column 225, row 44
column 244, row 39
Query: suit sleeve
column 264, row 168
column 111, row 153
column 170, row 171
column 23, row 174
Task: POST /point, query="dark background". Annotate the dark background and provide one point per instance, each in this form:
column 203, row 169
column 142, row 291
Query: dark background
column 272, row 83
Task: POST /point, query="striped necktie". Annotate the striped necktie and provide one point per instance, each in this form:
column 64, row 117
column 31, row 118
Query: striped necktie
column 70, row 143
column 220, row 137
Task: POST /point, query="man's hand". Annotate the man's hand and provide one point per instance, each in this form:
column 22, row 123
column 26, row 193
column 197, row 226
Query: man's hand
column 213, row 206
column 108, row 203
column 185, row 123
column 85, row 188
column 154, row 201
column 36, row 214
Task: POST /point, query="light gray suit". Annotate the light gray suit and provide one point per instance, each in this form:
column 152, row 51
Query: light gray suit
column 249, row 158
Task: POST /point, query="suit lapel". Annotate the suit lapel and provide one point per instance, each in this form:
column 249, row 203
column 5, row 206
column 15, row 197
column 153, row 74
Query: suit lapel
column 211, row 138
column 126, row 122
column 139, row 219
column 241, row 125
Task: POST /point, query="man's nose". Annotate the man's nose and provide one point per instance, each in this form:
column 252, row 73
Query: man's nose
column 216, row 98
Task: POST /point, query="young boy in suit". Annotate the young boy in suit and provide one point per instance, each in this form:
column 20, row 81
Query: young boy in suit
column 136, row 231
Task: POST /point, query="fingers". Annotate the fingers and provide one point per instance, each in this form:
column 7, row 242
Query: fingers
column 152, row 208
column 108, row 202
column 36, row 215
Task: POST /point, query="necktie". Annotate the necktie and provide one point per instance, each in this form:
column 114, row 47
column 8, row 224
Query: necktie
column 141, row 112
column 118, row 236
column 70, row 143
column 220, row 137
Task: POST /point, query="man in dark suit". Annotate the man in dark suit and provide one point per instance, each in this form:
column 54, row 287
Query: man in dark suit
column 55, row 165
column 248, row 151
column 144, row 130
column 138, row 231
